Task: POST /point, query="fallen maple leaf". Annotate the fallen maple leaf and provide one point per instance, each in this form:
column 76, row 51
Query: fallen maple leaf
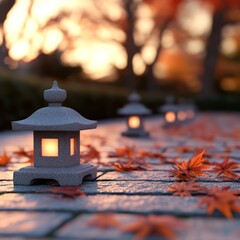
column 24, row 153
column 190, row 169
column 221, row 199
column 66, row 192
column 90, row 154
column 4, row 159
column 104, row 221
column 145, row 226
column 127, row 167
column 127, row 152
column 225, row 168
column 184, row 189
column 187, row 149
column 150, row 154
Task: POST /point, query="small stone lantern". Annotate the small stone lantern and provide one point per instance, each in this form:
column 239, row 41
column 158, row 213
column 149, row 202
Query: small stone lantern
column 191, row 110
column 56, row 143
column 170, row 112
column 135, row 112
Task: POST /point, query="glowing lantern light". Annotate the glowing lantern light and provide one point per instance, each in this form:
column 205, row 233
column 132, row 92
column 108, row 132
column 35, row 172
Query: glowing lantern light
column 56, row 143
column 169, row 111
column 49, row 147
column 189, row 108
column 134, row 122
column 72, row 146
column 182, row 116
column 170, row 117
column 135, row 112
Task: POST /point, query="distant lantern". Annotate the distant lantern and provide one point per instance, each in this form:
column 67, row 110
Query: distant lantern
column 187, row 110
column 170, row 112
column 135, row 112
column 56, row 143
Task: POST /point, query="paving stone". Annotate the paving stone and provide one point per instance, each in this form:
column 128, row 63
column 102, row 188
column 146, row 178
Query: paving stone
column 211, row 229
column 6, row 175
column 113, row 187
column 151, row 176
column 194, row 229
column 187, row 206
column 140, row 192
column 80, row 228
column 30, row 224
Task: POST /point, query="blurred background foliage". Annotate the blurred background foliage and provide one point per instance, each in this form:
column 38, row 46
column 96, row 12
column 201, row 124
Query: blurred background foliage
column 100, row 50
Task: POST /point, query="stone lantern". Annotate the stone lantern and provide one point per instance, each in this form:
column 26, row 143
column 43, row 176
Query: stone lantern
column 56, row 143
column 170, row 112
column 135, row 112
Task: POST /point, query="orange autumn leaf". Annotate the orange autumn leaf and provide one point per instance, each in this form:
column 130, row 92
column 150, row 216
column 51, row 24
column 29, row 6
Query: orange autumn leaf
column 184, row 189
column 90, row 154
column 21, row 152
column 192, row 168
column 146, row 226
column 222, row 200
column 4, row 159
column 66, row 192
column 226, row 168
column 127, row 167
column 104, row 221
column 150, row 154
column 187, row 149
column 125, row 152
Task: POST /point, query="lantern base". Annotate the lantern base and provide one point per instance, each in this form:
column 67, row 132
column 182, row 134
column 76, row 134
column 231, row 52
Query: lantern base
column 138, row 134
column 68, row 176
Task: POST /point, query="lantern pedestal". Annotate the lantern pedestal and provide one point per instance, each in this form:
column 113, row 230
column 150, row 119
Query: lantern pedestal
column 132, row 133
column 67, row 176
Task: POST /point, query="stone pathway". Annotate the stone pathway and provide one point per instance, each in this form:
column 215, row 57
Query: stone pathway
column 26, row 212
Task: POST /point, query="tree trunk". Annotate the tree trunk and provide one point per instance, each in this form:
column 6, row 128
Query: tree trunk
column 212, row 53
column 5, row 7
column 130, row 46
column 151, row 79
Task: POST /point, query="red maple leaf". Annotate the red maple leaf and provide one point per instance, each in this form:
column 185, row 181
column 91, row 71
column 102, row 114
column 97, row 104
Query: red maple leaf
column 125, row 152
column 190, row 169
column 104, row 221
column 145, row 226
column 90, row 154
column 4, row 159
column 151, row 154
column 226, row 168
column 66, row 192
column 184, row 189
column 21, row 152
column 128, row 166
column 221, row 199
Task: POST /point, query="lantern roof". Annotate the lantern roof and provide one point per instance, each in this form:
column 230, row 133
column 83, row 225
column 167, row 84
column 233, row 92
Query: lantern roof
column 169, row 105
column 55, row 117
column 134, row 107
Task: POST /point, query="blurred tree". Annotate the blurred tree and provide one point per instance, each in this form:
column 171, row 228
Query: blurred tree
column 220, row 18
column 143, row 34
column 5, row 7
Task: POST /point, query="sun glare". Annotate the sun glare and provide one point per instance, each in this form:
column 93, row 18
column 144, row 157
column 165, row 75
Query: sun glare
column 83, row 36
column 195, row 18
column 19, row 49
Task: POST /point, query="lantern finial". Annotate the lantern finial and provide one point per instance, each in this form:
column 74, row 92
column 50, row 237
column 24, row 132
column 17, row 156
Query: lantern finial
column 55, row 95
column 134, row 97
